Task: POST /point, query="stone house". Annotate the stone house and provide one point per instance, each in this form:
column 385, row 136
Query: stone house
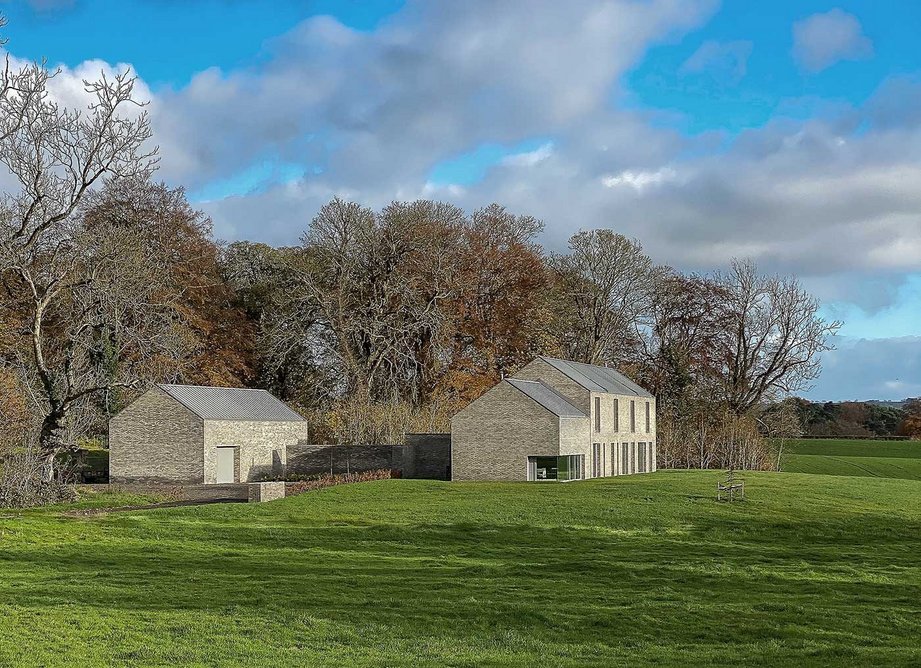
column 556, row 420
column 193, row 435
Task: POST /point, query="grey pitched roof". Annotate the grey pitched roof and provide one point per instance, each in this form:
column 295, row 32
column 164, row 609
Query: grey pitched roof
column 547, row 397
column 597, row 378
column 231, row 403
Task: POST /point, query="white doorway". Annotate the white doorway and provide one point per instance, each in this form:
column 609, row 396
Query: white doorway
column 225, row 464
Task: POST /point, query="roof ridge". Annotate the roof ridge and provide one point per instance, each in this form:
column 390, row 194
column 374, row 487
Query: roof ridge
column 211, row 387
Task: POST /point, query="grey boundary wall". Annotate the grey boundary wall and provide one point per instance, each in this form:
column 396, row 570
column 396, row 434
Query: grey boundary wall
column 424, row 456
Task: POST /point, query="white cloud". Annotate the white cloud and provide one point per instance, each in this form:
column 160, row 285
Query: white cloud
column 639, row 180
column 529, row 158
column 821, row 40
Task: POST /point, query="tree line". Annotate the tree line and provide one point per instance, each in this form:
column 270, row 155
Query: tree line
column 375, row 323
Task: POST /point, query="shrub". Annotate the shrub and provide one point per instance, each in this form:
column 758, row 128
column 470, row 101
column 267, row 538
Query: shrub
column 327, row 480
column 22, row 485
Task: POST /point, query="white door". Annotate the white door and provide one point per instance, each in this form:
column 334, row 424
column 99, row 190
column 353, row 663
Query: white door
column 225, row 464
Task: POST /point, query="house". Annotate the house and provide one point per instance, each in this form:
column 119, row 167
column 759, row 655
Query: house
column 191, row 434
column 556, row 420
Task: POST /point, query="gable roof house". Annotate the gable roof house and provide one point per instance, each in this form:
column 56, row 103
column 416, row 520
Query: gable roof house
column 191, row 434
column 556, row 420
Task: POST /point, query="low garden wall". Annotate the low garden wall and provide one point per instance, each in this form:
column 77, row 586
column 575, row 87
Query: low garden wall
column 425, row 456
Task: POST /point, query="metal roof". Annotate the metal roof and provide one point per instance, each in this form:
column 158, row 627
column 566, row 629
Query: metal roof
column 231, row 403
column 547, row 397
column 597, row 378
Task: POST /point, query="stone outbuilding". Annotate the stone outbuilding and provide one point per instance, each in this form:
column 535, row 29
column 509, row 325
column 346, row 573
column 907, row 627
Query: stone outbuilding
column 192, row 435
column 556, row 420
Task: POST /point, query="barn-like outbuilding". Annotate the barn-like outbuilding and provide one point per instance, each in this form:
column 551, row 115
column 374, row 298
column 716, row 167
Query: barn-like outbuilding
column 193, row 434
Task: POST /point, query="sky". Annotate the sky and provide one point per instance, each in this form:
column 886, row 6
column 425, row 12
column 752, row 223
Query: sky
column 788, row 132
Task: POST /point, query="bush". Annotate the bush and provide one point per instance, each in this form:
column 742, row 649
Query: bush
column 327, row 480
column 21, row 483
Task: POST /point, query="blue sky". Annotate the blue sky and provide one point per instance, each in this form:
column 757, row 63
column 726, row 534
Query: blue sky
column 789, row 131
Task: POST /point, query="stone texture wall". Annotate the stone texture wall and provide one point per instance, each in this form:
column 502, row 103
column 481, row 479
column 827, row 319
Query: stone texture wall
column 575, row 440
column 492, row 438
column 426, row 456
column 618, row 431
column 156, row 440
column 260, row 492
column 538, row 369
column 612, row 432
column 310, row 460
column 261, row 447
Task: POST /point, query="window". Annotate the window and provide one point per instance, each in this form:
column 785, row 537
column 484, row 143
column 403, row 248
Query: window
column 625, row 458
column 567, row 467
column 632, row 416
column 596, row 460
column 647, row 417
column 597, row 413
column 641, row 458
column 616, row 415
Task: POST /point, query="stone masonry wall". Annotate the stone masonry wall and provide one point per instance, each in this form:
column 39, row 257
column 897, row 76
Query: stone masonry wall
column 156, row 440
column 261, row 447
column 492, row 438
column 311, row 460
column 426, row 456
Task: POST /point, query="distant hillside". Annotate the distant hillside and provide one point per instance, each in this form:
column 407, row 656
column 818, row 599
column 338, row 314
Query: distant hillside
column 854, row 418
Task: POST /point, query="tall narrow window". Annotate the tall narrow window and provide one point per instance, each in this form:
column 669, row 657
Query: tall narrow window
column 632, row 416
column 597, row 413
column 616, row 415
column 647, row 417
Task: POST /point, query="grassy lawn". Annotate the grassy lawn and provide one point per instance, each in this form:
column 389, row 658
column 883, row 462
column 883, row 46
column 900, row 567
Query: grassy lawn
column 882, row 459
column 810, row 570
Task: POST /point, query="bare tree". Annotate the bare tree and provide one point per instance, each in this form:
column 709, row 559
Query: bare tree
column 774, row 340
column 608, row 281
column 371, row 286
column 56, row 155
column 781, row 422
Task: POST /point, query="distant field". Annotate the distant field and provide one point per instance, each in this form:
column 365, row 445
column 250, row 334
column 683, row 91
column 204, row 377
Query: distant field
column 630, row 571
column 880, row 459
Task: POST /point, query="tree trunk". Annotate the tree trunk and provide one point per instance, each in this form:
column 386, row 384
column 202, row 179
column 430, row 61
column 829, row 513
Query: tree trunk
column 50, row 443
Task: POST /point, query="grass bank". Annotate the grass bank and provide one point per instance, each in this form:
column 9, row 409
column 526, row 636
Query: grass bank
column 810, row 570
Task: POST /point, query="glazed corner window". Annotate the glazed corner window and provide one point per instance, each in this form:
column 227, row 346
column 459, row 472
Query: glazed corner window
column 567, row 467
column 597, row 413
column 647, row 417
column 632, row 416
column 616, row 415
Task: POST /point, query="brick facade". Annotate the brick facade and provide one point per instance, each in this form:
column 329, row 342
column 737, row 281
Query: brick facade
column 493, row 437
column 158, row 440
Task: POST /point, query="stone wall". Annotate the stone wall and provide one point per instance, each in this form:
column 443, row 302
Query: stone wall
column 259, row 492
column 156, row 440
column 492, row 438
column 261, row 447
column 424, row 456
column 309, row 460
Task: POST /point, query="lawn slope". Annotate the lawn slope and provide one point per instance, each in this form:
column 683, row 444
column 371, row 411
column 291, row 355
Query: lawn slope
column 881, row 459
column 811, row 570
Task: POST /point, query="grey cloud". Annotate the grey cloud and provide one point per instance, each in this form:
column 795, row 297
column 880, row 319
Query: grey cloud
column 821, row 40
column 862, row 369
column 434, row 81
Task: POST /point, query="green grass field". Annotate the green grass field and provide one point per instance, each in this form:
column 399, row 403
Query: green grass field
column 810, row 570
column 881, row 459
